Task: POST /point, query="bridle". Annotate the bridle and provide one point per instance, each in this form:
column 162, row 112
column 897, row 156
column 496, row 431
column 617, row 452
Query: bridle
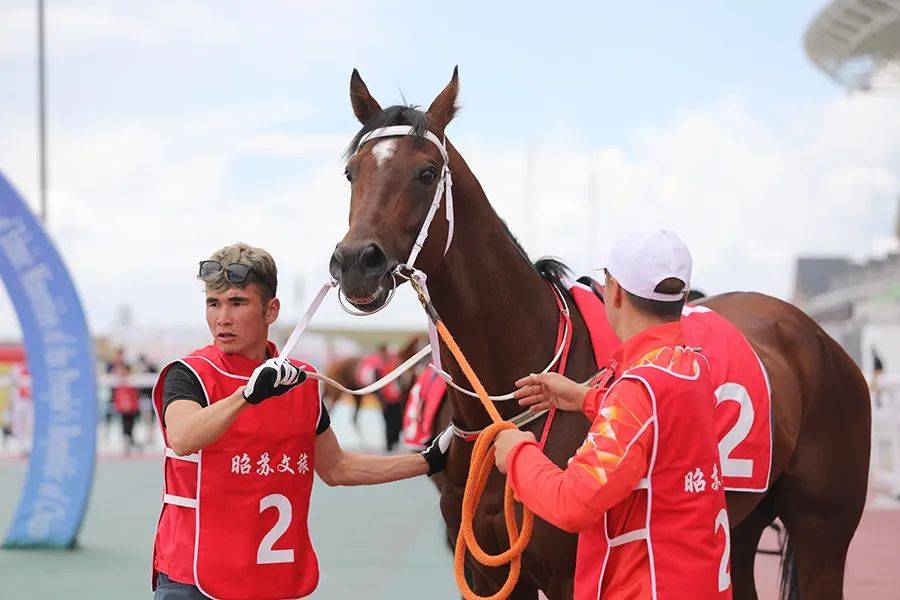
column 408, row 272
column 444, row 188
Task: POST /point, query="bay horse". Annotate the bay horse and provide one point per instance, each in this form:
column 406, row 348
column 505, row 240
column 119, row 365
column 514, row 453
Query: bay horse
column 342, row 370
column 346, row 372
column 504, row 316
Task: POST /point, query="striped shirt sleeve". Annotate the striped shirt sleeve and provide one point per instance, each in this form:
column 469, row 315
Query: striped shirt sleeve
column 613, row 457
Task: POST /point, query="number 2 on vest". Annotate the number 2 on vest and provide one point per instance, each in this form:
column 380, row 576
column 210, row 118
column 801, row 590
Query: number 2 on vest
column 264, row 554
column 724, row 575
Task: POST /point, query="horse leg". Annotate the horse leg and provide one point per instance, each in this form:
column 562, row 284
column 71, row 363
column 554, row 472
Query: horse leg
column 357, row 404
column 744, row 544
column 524, row 590
column 821, row 495
column 819, row 537
column 486, row 581
column 820, row 499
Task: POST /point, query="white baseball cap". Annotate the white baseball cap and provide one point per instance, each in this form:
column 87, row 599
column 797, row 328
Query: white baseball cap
column 641, row 260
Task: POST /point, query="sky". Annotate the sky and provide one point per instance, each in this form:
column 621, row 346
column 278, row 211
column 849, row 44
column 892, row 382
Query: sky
column 178, row 128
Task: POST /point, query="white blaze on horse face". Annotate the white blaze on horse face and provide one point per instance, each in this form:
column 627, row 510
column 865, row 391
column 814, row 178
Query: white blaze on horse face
column 383, row 150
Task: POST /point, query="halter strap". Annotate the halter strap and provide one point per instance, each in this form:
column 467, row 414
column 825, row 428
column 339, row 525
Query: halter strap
column 565, row 318
column 520, row 420
column 398, row 130
column 304, row 321
column 444, row 185
column 377, row 385
column 444, row 188
column 528, row 415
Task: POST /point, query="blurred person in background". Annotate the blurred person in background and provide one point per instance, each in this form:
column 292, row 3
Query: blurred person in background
column 6, row 423
column 874, row 382
column 372, row 368
column 126, row 402
column 391, row 398
column 148, row 371
column 112, row 368
column 21, row 407
column 243, row 432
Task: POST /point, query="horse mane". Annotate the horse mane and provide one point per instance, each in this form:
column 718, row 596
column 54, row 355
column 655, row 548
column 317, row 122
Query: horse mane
column 552, row 269
column 549, row 268
column 392, row 115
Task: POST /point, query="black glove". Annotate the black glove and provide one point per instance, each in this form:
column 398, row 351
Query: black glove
column 436, row 454
column 269, row 379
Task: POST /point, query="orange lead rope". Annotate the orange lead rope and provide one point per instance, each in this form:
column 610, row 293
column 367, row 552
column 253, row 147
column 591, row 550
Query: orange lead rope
column 479, row 470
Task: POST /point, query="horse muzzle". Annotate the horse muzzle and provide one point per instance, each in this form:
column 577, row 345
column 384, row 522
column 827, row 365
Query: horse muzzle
column 364, row 273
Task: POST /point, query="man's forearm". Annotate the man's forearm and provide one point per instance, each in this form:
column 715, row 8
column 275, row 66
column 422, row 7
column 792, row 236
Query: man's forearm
column 366, row 469
column 198, row 429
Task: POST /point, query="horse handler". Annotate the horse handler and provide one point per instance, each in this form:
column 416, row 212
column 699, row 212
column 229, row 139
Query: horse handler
column 644, row 491
column 243, row 434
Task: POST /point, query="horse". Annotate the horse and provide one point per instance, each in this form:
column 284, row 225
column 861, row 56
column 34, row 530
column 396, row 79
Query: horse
column 346, row 372
column 504, row 315
column 342, row 370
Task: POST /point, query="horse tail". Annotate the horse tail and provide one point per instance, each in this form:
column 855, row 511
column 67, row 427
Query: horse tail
column 552, row 269
column 790, row 582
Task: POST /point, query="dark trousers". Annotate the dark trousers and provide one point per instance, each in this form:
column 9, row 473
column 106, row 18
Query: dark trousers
column 166, row 589
column 393, row 423
column 128, row 420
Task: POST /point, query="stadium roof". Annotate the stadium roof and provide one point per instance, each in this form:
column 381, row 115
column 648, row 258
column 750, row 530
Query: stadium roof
column 857, row 43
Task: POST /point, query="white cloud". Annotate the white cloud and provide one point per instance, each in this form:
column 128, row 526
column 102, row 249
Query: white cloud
column 82, row 28
column 746, row 198
column 135, row 207
column 139, row 195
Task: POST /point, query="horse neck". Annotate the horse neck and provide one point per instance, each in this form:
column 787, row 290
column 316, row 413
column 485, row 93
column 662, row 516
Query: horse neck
column 500, row 311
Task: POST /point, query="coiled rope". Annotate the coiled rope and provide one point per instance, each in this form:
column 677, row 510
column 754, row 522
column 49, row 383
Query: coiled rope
column 479, row 471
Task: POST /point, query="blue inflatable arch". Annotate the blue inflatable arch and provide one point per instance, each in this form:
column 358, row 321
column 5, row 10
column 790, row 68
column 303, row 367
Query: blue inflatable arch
column 61, row 362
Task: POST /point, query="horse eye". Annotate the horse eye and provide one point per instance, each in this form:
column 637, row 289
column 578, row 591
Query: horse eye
column 428, row 175
column 348, row 175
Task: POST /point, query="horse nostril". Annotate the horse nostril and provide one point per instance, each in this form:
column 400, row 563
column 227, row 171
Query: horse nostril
column 336, row 264
column 372, row 257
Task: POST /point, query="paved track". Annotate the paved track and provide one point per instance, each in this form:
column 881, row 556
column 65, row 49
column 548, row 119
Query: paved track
column 377, row 543
column 380, row 543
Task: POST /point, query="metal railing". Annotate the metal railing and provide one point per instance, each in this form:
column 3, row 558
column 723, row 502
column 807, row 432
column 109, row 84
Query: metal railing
column 105, row 380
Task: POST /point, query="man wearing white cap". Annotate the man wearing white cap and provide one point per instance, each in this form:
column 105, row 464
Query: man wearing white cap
column 643, row 491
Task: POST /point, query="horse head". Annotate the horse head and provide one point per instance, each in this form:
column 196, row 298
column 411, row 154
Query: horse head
column 394, row 180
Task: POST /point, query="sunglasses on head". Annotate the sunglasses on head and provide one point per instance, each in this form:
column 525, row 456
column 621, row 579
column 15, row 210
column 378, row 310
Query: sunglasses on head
column 236, row 273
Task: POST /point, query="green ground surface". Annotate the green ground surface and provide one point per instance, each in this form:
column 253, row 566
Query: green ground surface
column 375, row 543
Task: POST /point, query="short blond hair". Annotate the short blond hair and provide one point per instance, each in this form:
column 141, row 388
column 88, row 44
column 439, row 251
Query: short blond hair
column 263, row 270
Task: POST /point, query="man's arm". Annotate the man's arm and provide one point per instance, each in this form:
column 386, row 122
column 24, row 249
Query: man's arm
column 338, row 467
column 190, row 426
column 611, row 461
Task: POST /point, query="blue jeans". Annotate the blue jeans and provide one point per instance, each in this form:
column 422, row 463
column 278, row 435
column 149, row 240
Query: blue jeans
column 166, row 589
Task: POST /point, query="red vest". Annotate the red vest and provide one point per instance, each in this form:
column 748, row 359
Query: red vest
column 372, row 367
column 234, row 514
column 424, row 402
column 125, row 399
column 677, row 511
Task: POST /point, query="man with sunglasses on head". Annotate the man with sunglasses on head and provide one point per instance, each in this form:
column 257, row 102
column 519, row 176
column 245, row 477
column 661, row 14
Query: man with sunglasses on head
column 243, row 432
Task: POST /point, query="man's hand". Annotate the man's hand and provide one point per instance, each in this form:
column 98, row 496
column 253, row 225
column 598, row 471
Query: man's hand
column 505, row 441
column 269, row 379
column 550, row 390
column 436, row 453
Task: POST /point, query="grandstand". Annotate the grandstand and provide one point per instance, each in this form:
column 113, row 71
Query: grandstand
column 857, row 43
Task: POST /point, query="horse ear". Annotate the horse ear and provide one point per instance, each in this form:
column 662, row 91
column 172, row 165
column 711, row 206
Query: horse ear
column 442, row 110
column 364, row 105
